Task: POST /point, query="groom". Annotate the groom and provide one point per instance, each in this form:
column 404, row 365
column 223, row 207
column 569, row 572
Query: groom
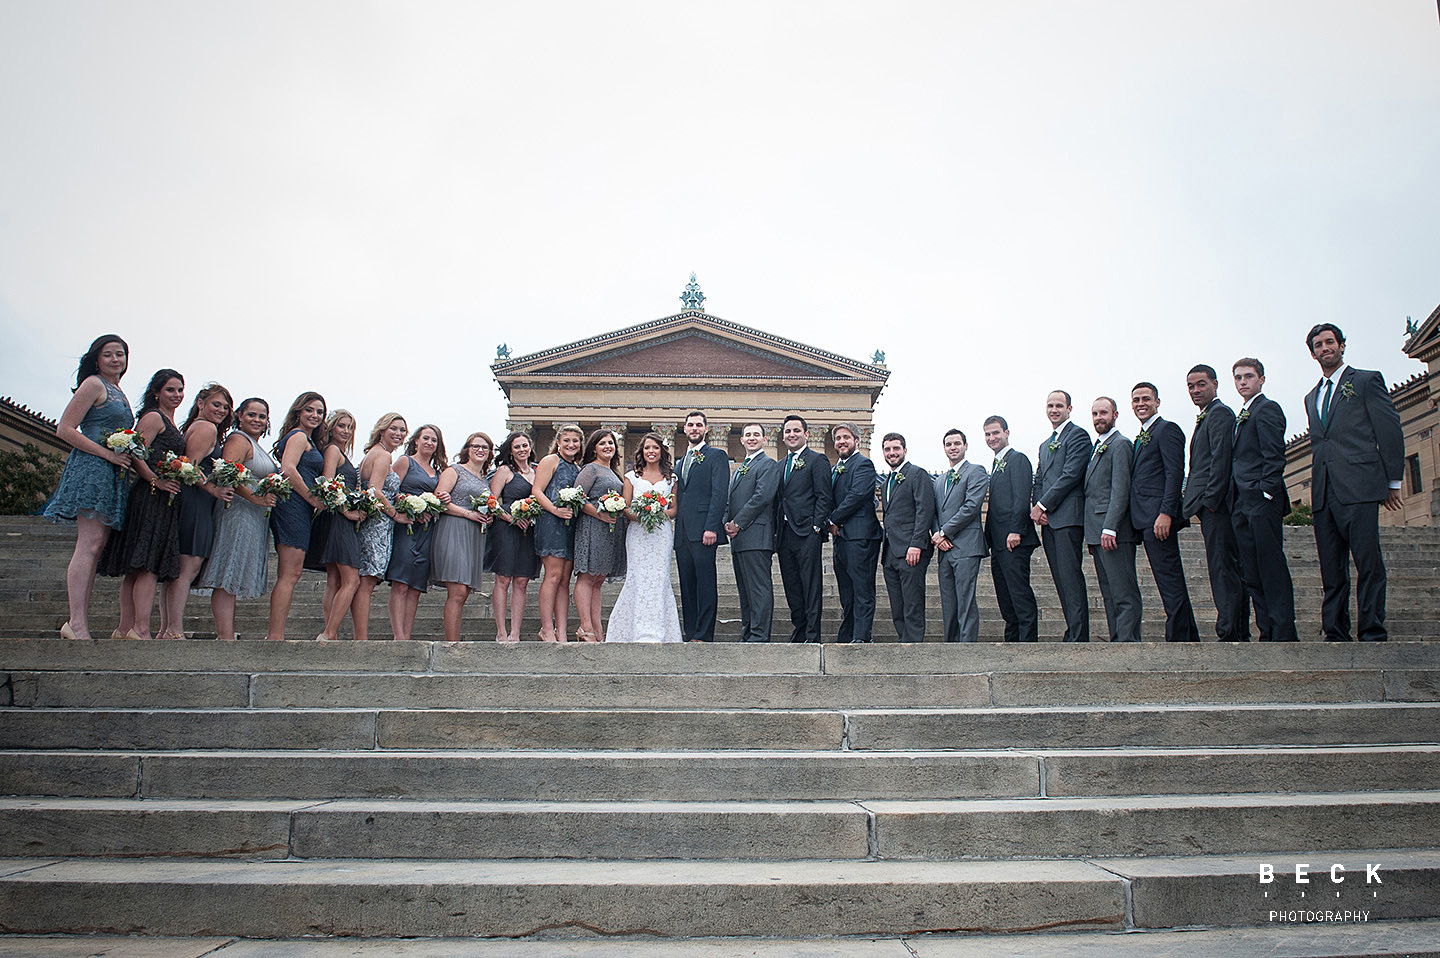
column 702, row 476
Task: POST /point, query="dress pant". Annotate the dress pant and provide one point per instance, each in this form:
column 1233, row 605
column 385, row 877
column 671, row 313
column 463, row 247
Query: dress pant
column 1010, row 571
column 1222, row 558
column 906, row 586
column 800, row 572
column 757, row 593
column 1260, row 538
column 855, row 565
column 1120, row 589
column 695, row 562
column 1169, row 572
column 1342, row 531
column 1062, row 551
column 958, row 606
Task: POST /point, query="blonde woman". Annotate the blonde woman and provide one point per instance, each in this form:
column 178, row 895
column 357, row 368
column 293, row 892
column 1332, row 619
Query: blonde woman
column 377, row 533
column 334, row 540
column 555, row 530
column 299, row 455
column 210, row 418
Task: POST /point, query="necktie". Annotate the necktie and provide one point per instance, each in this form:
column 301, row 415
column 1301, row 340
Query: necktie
column 1325, row 406
column 835, row 473
column 689, row 461
column 949, row 481
column 789, row 464
column 995, row 465
column 1054, row 438
column 1095, row 449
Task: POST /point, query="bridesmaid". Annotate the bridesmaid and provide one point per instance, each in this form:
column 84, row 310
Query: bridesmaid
column 334, row 538
column 458, row 552
column 302, row 436
column 377, row 532
column 599, row 536
column 93, row 488
column 237, row 566
column 512, row 550
column 205, row 428
column 555, row 530
column 409, row 569
column 147, row 550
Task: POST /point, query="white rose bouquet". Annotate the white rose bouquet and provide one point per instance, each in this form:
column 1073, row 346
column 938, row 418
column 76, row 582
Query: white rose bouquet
column 127, row 442
column 614, row 504
column 572, row 496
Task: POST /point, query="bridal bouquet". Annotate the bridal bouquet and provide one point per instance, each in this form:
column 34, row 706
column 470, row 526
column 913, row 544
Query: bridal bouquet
column 274, row 485
column 486, row 505
column 572, row 496
column 181, row 470
column 650, row 509
column 613, row 503
column 228, row 473
column 330, row 492
column 419, row 508
column 127, row 442
column 368, row 502
column 528, row 508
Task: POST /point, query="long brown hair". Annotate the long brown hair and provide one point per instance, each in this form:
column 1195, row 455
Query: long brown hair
column 292, row 421
column 464, row 455
column 588, row 453
column 206, row 393
column 666, row 463
column 437, row 461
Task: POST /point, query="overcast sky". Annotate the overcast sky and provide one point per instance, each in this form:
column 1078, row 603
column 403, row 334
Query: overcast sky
column 366, row 198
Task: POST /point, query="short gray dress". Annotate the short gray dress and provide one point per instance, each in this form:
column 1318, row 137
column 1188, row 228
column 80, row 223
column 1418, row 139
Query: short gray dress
column 457, row 552
column 242, row 538
column 599, row 547
column 378, row 532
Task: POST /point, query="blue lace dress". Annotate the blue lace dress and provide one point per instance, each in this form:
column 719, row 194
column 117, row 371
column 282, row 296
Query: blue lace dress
column 90, row 487
column 290, row 520
column 197, row 511
column 552, row 536
column 334, row 540
column 149, row 541
column 377, row 533
column 242, row 539
column 410, row 552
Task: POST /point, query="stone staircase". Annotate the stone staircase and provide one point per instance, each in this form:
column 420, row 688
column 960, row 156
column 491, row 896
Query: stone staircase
column 1029, row 799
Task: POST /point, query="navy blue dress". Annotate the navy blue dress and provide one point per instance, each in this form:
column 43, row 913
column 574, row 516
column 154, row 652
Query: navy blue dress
column 197, row 511
column 410, row 552
column 552, row 536
column 333, row 538
column 290, row 520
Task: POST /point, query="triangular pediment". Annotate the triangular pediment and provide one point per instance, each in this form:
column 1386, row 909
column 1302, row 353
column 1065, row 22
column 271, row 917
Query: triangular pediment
column 693, row 353
column 1424, row 344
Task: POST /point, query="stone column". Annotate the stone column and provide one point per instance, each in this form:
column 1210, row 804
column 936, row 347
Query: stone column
column 666, row 431
column 520, row 425
column 816, row 435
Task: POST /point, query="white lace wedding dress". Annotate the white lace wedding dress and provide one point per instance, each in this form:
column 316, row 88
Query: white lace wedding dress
column 645, row 610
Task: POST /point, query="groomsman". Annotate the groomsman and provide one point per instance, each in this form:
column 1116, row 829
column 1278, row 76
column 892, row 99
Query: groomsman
column 1155, row 481
column 1109, row 534
column 1257, row 488
column 855, row 535
column 1010, row 533
column 1207, row 499
column 701, row 478
column 1357, row 457
column 750, row 524
column 960, row 537
column 1059, row 497
column 907, row 497
column 804, row 512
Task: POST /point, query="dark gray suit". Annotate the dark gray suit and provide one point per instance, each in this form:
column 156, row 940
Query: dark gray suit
column 1355, row 453
column 1207, row 498
column 909, row 506
column 1107, row 506
column 803, row 504
column 1011, row 481
column 856, row 546
column 1155, row 480
column 1257, row 488
column 1060, row 487
column 957, row 515
column 751, row 506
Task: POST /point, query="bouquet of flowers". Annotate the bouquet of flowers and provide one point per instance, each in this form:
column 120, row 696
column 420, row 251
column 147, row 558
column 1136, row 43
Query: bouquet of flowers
column 486, row 505
column 127, row 442
column 368, row 502
column 572, row 496
column 650, row 509
column 181, row 470
column 330, row 492
column 274, row 485
column 419, row 508
column 227, row 474
column 613, row 503
column 528, row 508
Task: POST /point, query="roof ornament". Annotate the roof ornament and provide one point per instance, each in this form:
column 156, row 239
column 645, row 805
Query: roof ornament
column 502, row 351
column 877, row 358
column 692, row 298
column 1411, row 328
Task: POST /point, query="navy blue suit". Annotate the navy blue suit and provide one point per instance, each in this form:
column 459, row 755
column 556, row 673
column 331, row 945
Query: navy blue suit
column 702, row 497
column 1156, row 477
column 856, row 547
column 1257, row 485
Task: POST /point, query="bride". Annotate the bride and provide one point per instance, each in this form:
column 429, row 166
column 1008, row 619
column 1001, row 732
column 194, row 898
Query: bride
column 645, row 610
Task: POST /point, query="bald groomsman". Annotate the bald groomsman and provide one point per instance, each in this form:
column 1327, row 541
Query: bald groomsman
column 960, row 537
column 1207, row 500
column 855, row 536
column 1109, row 533
column 1059, row 497
column 1357, row 454
column 1155, row 481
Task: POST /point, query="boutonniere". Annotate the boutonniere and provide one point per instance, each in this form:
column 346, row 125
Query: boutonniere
column 1244, row 415
column 1143, row 439
column 954, row 473
column 839, row 469
column 1201, row 418
column 744, row 467
column 1053, row 445
column 999, row 465
column 799, row 463
column 699, row 456
column 1347, row 390
column 1103, row 446
column 898, row 476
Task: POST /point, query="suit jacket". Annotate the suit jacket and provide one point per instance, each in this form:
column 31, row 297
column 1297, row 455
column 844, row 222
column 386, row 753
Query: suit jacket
column 1107, row 491
column 909, row 506
column 1357, row 454
column 751, row 504
column 702, row 496
column 854, row 494
column 1010, row 488
column 1258, row 464
column 957, row 512
column 1157, row 474
column 1060, row 477
column 804, row 500
column 1212, row 446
